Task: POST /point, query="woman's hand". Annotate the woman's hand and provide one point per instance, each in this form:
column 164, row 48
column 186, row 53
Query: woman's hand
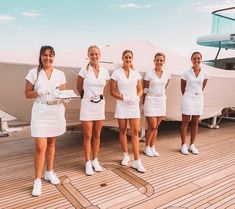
column 43, row 92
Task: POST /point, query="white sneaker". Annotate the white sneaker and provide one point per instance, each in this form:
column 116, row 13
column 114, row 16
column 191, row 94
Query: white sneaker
column 37, row 187
column 193, row 149
column 138, row 166
column 184, row 149
column 125, row 159
column 96, row 165
column 154, row 151
column 88, row 168
column 51, row 176
column 148, row 151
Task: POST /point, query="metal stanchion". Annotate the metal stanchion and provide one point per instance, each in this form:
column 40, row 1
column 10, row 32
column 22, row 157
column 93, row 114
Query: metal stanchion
column 2, row 132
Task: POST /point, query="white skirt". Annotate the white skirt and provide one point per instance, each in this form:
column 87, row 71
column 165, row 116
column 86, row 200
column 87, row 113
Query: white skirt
column 192, row 104
column 124, row 110
column 155, row 106
column 90, row 111
column 47, row 120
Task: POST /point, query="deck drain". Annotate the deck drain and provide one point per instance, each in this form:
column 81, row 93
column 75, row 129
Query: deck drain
column 103, row 185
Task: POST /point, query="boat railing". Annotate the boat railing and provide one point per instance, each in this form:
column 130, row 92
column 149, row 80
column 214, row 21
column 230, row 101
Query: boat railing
column 223, row 21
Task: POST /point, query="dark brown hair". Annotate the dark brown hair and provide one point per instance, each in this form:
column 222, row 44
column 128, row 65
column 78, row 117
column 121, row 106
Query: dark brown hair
column 127, row 51
column 42, row 51
column 160, row 54
column 196, row 53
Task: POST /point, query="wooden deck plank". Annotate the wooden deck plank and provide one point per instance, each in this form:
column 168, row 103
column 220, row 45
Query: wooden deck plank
column 33, row 204
column 163, row 186
column 193, row 166
column 163, row 199
column 216, row 198
column 206, row 197
column 26, row 194
column 224, row 203
column 231, row 205
column 77, row 195
column 108, row 194
column 172, row 203
column 58, row 204
column 178, row 181
column 187, row 172
column 225, row 194
column 118, row 200
column 218, row 175
column 127, row 201
column 55, row 202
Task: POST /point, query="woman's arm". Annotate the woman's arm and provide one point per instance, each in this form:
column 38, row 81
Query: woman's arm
column 204, row 84
column 146, row 87
column 139, row 88
column 107, row 86
column 80, row 85
column 113, row 90
column 183, row 85
column 167, row 83
column 146, row 84
column 29, row 90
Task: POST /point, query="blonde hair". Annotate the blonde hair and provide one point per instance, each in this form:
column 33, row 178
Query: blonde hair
column 89, row 48
column 128, row 51
column 160, row 54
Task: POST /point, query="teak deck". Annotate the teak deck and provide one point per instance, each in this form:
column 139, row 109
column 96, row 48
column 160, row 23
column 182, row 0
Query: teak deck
column 172, row 180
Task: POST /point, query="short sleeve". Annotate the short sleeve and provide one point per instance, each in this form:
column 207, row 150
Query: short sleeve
column 139, row 77
column 114, row 75
column 169, row 76
column 82, row 73
column 63, row 79
column 31, row 76
column 107, row 76
column 184, row 75
column 146, row 76
column 206, row 75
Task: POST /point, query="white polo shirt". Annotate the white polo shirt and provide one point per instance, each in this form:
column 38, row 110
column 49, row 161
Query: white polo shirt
column 126, row 86
column 93, row 86
column 157, row 85
column 194, row 84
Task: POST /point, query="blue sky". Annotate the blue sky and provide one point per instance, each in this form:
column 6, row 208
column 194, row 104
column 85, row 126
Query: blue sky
column 72, row 25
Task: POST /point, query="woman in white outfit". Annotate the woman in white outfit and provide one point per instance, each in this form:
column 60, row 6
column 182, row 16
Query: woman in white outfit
column 91, row 84
column 126, row 87
column 155, row 83
column 193, row 82
column 47, row 118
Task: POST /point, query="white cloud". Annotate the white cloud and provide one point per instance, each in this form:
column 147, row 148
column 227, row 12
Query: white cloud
column 6, row 18
column 31, row 14
column 137, row 6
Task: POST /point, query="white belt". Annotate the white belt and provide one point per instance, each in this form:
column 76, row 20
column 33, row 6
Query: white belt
column 195, row 93
column 54, row 102
column 155, row 94
column 95, row 99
